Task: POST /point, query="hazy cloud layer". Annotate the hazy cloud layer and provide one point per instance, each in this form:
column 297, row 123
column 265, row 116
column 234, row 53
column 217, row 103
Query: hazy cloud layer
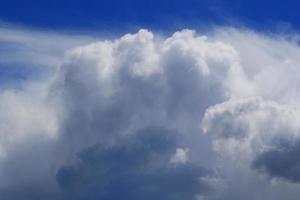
column 146, row 116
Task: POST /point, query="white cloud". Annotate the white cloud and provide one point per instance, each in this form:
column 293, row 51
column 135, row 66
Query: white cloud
column 115, row 103
column 181, row 156
column 270, row 62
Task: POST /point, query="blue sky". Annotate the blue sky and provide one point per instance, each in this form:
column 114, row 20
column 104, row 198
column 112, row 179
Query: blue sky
column 164, row 15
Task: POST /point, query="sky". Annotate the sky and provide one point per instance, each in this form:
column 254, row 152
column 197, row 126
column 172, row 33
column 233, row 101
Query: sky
column 118, row 15
column 153, row 100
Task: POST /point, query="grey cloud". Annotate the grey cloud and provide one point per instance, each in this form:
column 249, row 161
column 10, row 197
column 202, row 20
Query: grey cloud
column 138, row 168
column 282, row 161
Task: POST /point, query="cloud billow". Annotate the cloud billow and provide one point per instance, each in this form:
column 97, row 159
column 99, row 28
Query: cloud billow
column 139, row 168
column 149, row 117
column 113, row 89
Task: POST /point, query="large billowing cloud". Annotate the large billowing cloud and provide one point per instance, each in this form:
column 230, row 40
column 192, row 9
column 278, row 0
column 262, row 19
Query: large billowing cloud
column 146, row 116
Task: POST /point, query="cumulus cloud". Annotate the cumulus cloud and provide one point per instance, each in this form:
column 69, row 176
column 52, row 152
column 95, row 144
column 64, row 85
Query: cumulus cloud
column 152, row 117
column 263, row 133
column 257, row 135
column 251, row 125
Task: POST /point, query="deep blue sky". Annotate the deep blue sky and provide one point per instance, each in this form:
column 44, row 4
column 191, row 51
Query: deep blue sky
column 111, row 15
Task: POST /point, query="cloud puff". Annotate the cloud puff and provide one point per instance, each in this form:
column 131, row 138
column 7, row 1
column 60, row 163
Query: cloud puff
column 154, row 117
column 263, row 133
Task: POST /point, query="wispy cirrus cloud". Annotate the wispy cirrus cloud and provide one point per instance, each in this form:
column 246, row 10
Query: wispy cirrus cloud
column 30, row 54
